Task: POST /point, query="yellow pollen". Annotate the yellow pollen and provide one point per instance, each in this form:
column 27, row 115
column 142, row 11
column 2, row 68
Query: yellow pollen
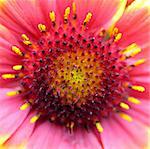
column 124, row 106
column 67, row 12
column 134, row 100
column 25, row 37
column 52, row 16
column 24, row 106
column 99, row 127
column 88, row 18
column 16, row 50
column 8, row 76
column 74, row 7
column 12, row 93
column 132, row 50
column 115, row 31
column 139, row 62
column 26, row 42
column 102, row 32
column 138, row 88
column 72, row 125
column 118, row 37
column 17, row 67
column 34, row 118
column 42, row 27
column 125, row 117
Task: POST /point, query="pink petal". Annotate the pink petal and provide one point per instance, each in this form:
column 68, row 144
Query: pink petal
column 23, row 133
column 122, row 134
column 11, row 117
column 43, row 137
column 21, row 16
column 48, row 135
column 141, row 112
column 134, row 25
column 46, row 6
column 102, row 11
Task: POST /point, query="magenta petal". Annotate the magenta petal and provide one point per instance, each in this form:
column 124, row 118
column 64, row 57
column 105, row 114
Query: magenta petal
column 136, row 28
column 23, row 133
column 11, row 117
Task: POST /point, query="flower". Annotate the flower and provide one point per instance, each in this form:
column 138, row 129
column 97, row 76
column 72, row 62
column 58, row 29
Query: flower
column 74, row 74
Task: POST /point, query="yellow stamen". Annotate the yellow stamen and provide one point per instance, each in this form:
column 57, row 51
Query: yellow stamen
column 12, row 93
column 52, row 16
column 138, row 88
column 88, row 18
column 125, row 117
column 102, row 32
column 115, row 31
column 118, row 37
column 134, row 100
column 27, row 42
column 24, row 106
column 139, row 62
column 17, row 67
column 124, row 106
column 42, row 27
column 16, row 50
column 67, row 12
column 74, row 9
column 8, row 76
column 99, row 127
column 25, row 37
column 132, row 50
column 34, row 118
column 72, row 125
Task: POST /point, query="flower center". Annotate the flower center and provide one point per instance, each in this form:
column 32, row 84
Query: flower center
column 73, row 79
column 77, row 75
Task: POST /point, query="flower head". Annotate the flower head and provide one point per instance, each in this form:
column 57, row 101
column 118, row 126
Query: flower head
column 74, row 72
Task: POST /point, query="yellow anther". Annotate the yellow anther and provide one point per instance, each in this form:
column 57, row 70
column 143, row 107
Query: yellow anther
column 17, row 67
column 134, row 100
column 118, row 37
column 74, row 9
column 102, row 32
column 52, row 16
column 139, row 62
column 88, row 18
column 72, row 125
column 99, row 127
column 125, row 117
column 12, row 93
column 115, row 31
column 124, row 106
column 138, row 88
column 42, row 27
column 132, row 50
column 67, row 12
column 8, row 76
column 25, row 37
column 34, row 118
column 27, row 42
column 24, row 106
column 16, row 50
